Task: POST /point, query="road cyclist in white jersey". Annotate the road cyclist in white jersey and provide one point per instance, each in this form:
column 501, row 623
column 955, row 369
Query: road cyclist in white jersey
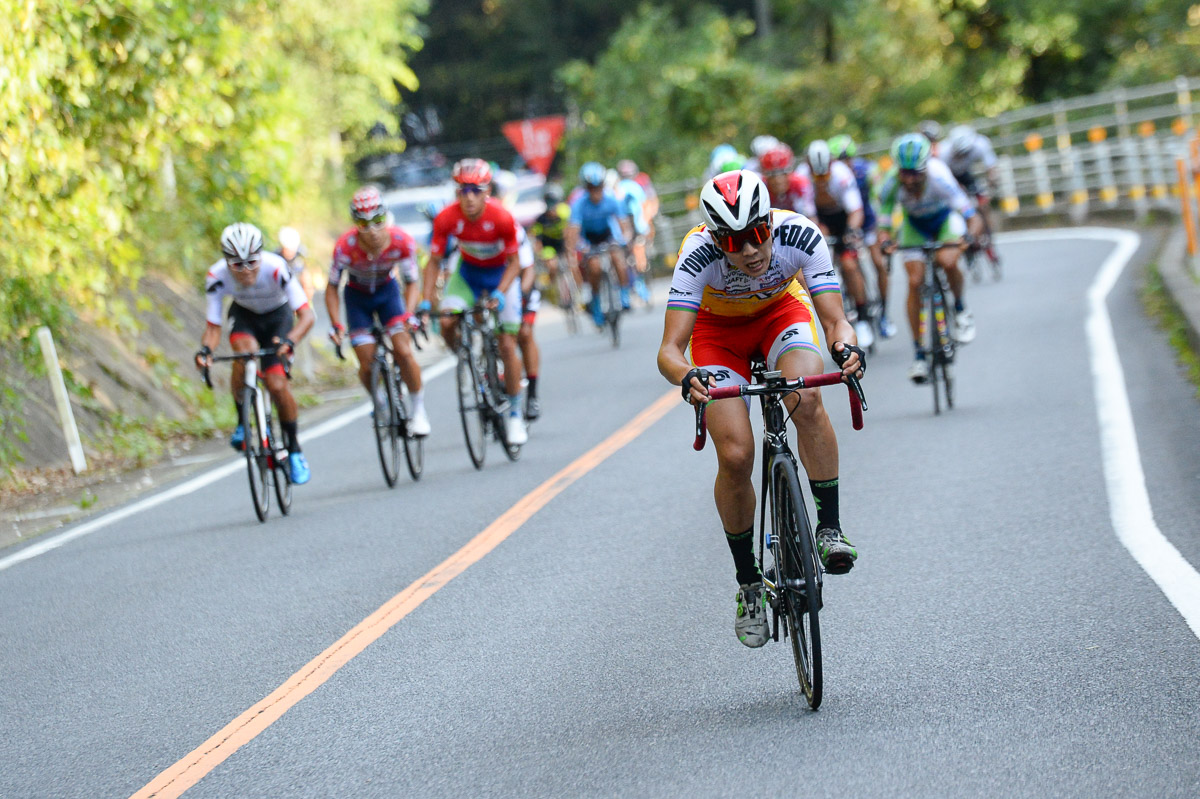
column 966, row 152
column 935, row 210
column 752, row 282
column 838, row 207
column 265, row 299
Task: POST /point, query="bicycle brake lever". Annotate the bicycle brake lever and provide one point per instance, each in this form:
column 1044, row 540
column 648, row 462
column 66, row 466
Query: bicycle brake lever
column 858, row 389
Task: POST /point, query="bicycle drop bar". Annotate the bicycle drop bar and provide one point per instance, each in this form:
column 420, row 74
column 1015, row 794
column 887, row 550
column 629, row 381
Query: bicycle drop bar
column 853, row 389
column 242, row 356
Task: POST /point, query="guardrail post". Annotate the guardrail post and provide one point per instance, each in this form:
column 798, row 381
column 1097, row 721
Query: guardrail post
column 1009, row 203
column 1134, row 176
column 1041, row 176
column 1060, row 125
column 59, row 388
column 1183, row 97
column 1079, row 192
column 1102, row 155
column 1153, row 159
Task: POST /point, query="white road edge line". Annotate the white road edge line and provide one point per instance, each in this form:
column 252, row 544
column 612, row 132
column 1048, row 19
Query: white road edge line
column 195, row 483
column 1128, row 500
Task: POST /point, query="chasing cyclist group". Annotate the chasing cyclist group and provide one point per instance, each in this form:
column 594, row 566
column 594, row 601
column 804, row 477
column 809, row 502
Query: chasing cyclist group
column 751, row 283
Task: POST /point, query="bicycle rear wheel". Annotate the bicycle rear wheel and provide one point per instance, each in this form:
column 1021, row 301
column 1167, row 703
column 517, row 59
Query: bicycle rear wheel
column 612, row 308
column 799, row 578
column 383, row 397
column 256, row 458
column 281, row 474
column 414, row 446
column 471, row 407
column 568, row 297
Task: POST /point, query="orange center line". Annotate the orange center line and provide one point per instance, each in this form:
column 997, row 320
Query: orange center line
column 197, row 764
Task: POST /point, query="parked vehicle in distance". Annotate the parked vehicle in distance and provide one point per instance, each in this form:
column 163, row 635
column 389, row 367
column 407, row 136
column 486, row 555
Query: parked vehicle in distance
column 405, row 206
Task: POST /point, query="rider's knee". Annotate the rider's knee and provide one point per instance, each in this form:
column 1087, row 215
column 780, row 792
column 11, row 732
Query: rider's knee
column 736, row 458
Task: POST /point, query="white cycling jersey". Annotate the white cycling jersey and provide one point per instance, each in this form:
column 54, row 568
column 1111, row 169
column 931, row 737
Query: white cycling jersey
column 704, row 279
column 274, row 287
column 981, row 152
column 941, row 194
column 839, row 194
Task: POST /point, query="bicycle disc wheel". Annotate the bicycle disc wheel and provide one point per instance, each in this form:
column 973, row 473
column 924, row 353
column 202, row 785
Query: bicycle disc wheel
column 281, row 474
column 383, row 398
column 470, row 406
column 256, row 459
column 800, row 579
column 414, row 446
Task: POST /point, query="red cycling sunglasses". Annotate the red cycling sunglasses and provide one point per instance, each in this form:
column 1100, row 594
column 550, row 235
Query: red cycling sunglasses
column 729, row 241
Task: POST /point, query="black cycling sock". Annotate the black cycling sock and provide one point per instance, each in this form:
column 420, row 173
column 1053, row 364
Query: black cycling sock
column 237, row 408
column 825, row 494
column 863, row 312
column 531, row 389
column 958, row 305
column 291, row 436
column 742, row 547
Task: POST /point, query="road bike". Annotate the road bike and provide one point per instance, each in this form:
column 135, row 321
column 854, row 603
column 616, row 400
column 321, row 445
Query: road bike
column 936, row 322
column 390, row 416
column 266, row 461
column 609, row 292
column 793, row 576
column 852, row 248
column 566, row 290
column 482, row 400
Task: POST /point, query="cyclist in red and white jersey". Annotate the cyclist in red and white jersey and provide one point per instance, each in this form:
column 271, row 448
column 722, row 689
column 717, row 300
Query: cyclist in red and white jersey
column 752, row 282
column 789, row 189
column 489, row 268
column 265, row 299
column 370, row 256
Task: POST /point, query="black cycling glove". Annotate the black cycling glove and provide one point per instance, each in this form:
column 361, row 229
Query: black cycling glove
column 686, row 385
column 844, row 355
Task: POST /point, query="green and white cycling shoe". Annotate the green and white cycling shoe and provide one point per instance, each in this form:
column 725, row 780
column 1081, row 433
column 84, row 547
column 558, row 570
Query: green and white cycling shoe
column 836, row 552
column 750, row 625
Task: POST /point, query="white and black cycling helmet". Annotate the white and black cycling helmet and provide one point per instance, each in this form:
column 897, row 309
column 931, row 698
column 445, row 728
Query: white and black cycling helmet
column 819, row 157
column 961, row 139
column 762, row 144
column 241, row 241
column 735, row 201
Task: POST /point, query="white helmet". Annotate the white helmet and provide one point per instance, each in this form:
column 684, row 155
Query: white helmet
column 763, row 144
column 961, row 139
column 735, row 201
column 289, row 238
column 241, row 241
column 819, row 157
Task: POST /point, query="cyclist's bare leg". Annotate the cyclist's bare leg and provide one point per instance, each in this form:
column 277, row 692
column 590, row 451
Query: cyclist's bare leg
column 881, row 271
column 816, row 442
column 852, row 276
column 365, row 353
column 406, row 360
column 618, row 261
column 639, row 256
column 916, row 278
column 729, row 428
column 237, row 378
column 512, row 364
column 530, row 354
column 947, row 259
column 449, row 325
column 594, row 271
column 281, row 392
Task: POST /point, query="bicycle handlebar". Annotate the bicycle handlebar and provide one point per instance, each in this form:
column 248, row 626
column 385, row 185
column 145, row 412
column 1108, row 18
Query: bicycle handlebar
column 858, row 402
column 240, row 356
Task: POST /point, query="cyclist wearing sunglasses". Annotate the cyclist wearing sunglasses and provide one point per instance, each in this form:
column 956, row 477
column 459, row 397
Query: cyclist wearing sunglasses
column 369, row 256
column 265, row 298
column 935, row 210
column 790, row 190
column 599, row 226
column 489, row 267
column 753, row 282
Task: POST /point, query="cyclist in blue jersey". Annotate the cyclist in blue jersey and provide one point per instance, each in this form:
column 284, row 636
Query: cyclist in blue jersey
column 599, row 226
column 633, row 197
column 843, row 148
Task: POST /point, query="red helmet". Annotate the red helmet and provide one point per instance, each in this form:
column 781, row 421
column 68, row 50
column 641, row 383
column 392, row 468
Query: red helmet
column 472, row 170
column 777, row 159
column 366, row 203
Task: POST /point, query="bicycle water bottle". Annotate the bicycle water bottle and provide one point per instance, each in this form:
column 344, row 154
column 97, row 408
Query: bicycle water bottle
column 939, row 313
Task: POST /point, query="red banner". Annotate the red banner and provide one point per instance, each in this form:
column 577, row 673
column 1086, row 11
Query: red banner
column 536, row 139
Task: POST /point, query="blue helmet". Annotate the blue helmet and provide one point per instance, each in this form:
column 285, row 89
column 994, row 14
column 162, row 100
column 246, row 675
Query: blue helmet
column 911, row 152
column 592, row 174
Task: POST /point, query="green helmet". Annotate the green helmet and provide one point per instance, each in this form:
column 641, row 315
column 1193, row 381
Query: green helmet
column 732, row 164
column 911, row 152
column 842, row 146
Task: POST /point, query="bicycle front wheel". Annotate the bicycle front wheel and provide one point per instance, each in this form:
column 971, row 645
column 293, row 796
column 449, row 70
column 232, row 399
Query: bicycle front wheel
column 799, row 578
column 256, row 455
column 281, row 474
column 383, row 398
column 471, row 406
column 612, row 308
column 414, row 446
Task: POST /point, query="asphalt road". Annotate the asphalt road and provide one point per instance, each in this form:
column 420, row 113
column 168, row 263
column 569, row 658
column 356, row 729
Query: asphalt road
column 995, row 639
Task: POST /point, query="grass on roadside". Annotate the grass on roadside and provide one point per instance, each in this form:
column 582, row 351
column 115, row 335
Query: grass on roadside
column 1158, row 305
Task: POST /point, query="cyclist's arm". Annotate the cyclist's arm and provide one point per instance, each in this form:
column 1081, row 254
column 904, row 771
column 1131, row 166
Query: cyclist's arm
column 333, row 305
column 836, row 327
column 305, row 319
column 512, row 268
column 570, row 240
column 433, row 268
column 672, row 363
column 210, row 339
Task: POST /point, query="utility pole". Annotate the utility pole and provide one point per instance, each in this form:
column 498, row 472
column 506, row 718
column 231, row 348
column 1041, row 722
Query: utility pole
column 762, row 18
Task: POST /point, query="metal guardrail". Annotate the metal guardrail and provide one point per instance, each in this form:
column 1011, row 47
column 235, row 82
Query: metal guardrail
column 1127, row 149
